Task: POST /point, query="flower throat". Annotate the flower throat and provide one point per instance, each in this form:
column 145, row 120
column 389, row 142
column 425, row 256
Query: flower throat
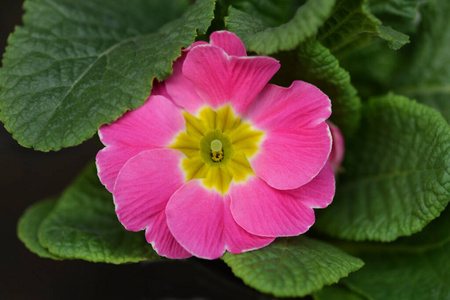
column 217, row 145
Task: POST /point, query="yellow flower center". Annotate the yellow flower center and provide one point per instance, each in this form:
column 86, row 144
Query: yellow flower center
column 217, row 145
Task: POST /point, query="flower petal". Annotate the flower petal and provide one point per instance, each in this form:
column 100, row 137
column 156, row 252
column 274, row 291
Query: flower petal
column 162, row 240
column 195, row 218
column 154, row 125
column 338, row 149
column 238, row 240
column 320, row 191
column 220, row 79
column 263, row 210
column 302, row 105
column 201, row 221
column 143, row 188
column 297, row 141
column 229, row 42
column 179, row 88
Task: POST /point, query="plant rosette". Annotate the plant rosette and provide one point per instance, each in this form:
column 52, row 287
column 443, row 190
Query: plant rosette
column 219, row 160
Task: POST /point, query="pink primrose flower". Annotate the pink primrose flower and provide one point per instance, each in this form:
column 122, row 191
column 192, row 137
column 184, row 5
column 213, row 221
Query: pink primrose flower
column 218, row 159
column 338, row 148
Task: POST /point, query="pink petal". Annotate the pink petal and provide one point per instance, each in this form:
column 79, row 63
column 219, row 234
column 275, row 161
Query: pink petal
column 201, row 221
column 195, row 218
column 229, row 42
column 143, row 188
column 320, row 191
column 299, row 106
column 110, row 160
column 297, row 141
column 154, row 125
column 162, row 240
column 221, row 79
column 338, row 149
column 263, row 210
column 238, row 240
column 180, row 89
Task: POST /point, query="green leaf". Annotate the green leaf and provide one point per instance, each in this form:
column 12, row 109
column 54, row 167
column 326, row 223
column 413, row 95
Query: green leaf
column 271, row 12
column 28, row 226
column 397, row 173
column 261, row 39
column 83, row 225
column 395, row 39
column 414, row 268
column 318, row 66
column 292, row 267
column 400, row 14
column 427, row 78
column 374, row 68
column 395, row 8
column 336, row 292
column 76, row 65
column 352, row 26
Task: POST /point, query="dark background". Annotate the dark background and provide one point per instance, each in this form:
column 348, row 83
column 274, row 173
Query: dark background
column 27, row 176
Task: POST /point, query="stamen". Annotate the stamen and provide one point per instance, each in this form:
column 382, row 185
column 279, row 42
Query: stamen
column 216, row 145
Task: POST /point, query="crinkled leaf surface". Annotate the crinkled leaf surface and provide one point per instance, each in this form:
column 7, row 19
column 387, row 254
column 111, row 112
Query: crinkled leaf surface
column 413, row 268
column 400, row 14
column 318, row 66
column 260, row 38
column 374, row 68
column 395, row 8
column 77, row 64
column 396, row 177
column 271, row 12
column 336, row 292
column 292, row 267
column 84, row 225
column 28, row 226
column 351, row 26
column 427, row 79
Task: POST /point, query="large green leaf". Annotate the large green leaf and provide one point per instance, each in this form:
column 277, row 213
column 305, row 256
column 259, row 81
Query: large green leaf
column 352, row 25
column 395, row 8
column 318, row 66
column 76, row 65
column 374, row 68
column 84, row 225
column 271, row 12
column 28, row 226
column 336, row 292
column 427, row 77
column 397, row 173
column 260, row 38
column 414, row 268
column 292, row 267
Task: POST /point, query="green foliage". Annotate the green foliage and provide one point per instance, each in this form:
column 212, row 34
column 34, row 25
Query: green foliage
column 83, row 225
column 261, row 39
column 352, row 26
column 271, row 12
column 76, row 65
column 336, row 292
column 292, row 267
column 411, row 268
column 395, row 8
column 28, row 227
column 318, row 66
column 396, row 176
column 427, row 77
column 400, row 14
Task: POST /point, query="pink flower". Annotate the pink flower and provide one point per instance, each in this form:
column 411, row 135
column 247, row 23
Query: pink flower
column 338, row 148
column 217, row 159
